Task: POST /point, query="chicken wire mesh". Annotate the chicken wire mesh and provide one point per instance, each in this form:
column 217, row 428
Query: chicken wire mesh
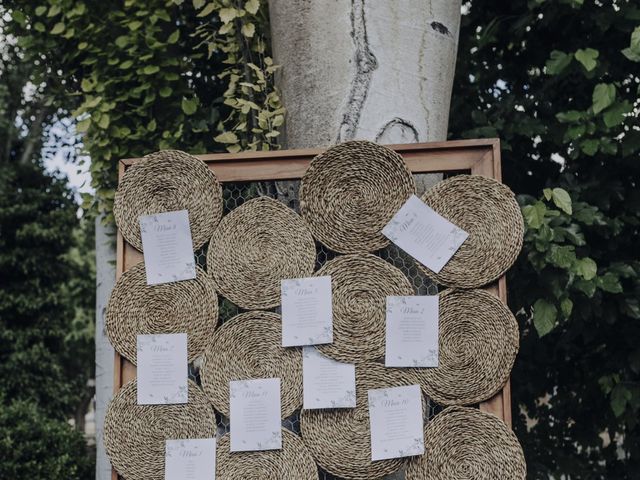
column 235, row 194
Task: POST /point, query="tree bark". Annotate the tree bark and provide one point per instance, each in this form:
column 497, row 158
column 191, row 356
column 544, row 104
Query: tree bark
column 359, row 69
column 105, row 279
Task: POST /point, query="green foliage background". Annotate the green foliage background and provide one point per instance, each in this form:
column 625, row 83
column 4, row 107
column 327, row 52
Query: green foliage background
column 557, row 81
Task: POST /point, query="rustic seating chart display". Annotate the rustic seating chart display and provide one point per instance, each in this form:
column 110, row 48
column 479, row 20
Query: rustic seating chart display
column 259, row 218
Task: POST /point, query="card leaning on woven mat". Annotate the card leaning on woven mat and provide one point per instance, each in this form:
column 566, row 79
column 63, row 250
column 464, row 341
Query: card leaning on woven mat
column 339, row 439
column 478, row 342
column 360, row 286
column 168, row 181
column 250, row 346
column 135, row 308
column 351, row 191
column 487, row 210
column 134, row 435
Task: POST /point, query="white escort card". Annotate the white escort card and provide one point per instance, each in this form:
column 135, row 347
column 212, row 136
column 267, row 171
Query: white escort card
column 412, row 332
column 422, row 233
column 327, row 383
column 167, row 247
column 190, row 459
column 306, row 311
column 254, row 413
column 162, row 369
column 395, row 416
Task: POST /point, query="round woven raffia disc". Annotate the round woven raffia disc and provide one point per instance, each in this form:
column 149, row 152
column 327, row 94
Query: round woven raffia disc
column 246, row 347
column 135, row 308
column 465, row 443
column 351, row 191
column 258, row 244
column 292, row 462
column 360, row 285
column 167, row 181
column 134, row 435
column 340, row 439
column 487, row 210
column 478, row 343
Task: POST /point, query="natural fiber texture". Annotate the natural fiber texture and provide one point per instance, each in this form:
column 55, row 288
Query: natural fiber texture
column 292, row 462
column 134, row 435
column 351, row 191
column 167, row 181
column 258, row 244
column 246, row 347
column 340, row 439
column 360, row 285
column 135, row 308
column 487, row 210
column 478, row 343
column 465, row 443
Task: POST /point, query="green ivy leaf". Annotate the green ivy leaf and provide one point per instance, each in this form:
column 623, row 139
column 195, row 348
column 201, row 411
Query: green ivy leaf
column 610, row 283
column 614, row 115
column 544, row 316
column 151, row 69
column 587, row 57
column 173, row 38
column 53, row 11
column 562, row 200
column 135, row 25
column 570, row 116
column 83, row 125
column 557, row 62
column 586, row 268
column 198, row 4
column 165, row 92
column 534, row 214
column 227, row 14
column 40, row 10
column 633, row 51
column 590, row 146
column 252, row 6
column 248, row 30
column 603, row 95
column 122, row 41
column 619, row 398
column 566, row 307
column 189, row 105
column 226, row 137
column 57, row 28
column 104, row 121
column 207, row 10
column 86, row 85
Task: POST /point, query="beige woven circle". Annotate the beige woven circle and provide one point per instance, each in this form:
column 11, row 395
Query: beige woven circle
column 167, row 181
column 487, row 210
column 360, row 285
column 246, row 347
column 135, row 308
column 465, row 443
column 258, row 244
column 134, row 435
column 478, row 343
column 292, row 462
column 340, row 439
column 351, row 191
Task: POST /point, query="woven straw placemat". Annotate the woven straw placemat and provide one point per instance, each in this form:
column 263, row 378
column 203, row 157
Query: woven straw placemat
column 135, row 308
column 351, row 191
column 478, row 343
column 340, row 439
column 167, row 181
column 292, row 462
column 246, row 347
column 464, row 442
column 360, row 285
column 255, row 246
column 487, row 210
column 134, row 435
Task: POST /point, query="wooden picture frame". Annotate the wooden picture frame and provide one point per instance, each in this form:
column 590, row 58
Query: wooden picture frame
column 478, row 157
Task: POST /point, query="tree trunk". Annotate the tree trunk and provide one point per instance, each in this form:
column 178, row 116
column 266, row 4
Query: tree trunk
column 359, row 69
column 105, row 279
